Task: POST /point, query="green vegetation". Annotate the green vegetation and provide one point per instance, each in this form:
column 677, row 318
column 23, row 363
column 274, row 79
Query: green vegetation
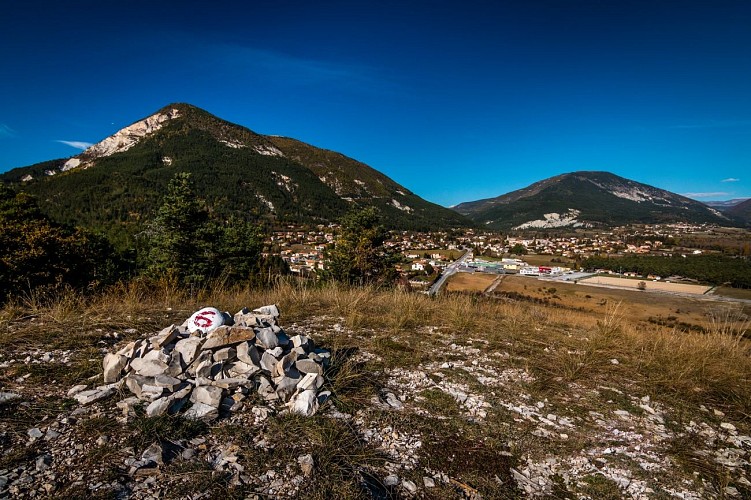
column 358, row 255
column 187, row 246
column 714, row 269
column 36, row 253
column 588, row 192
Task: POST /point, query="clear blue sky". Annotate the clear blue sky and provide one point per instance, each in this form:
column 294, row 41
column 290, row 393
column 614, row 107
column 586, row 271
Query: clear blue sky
column 454, row 100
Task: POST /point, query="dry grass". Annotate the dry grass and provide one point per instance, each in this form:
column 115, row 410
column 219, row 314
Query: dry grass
column 559, row 345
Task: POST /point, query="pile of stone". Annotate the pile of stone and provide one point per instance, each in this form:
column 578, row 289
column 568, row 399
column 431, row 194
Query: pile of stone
column 215, row 361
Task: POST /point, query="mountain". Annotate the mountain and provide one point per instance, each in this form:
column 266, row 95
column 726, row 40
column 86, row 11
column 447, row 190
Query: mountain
column 117, row 183
column 587, row 199
column 724, row 206
column 742, row 211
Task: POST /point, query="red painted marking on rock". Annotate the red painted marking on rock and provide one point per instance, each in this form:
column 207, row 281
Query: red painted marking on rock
column 204, row 319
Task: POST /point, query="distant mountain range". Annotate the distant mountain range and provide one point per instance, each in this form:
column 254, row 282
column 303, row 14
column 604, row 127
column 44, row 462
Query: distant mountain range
column 116, row 183
column 588, row 199
column 726, row 205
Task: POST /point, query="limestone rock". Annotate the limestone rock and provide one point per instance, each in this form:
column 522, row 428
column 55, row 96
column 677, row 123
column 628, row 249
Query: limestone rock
column 306, row 464
column 200, row 411
column 148, row 367
column 248, row 353
column 266, row 338
column 305, row 403
column 164, row 337
column 207, row 395
column 308, row 366
column 113, row 365
column 228, row 335
column 188, row 348
column 271, row 310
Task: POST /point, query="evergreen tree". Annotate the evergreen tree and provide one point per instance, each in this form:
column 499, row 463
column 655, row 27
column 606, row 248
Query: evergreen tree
column 179, row 235
column 358, row 255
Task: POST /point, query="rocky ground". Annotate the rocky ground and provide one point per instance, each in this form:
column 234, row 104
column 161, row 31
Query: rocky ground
column 424, row 412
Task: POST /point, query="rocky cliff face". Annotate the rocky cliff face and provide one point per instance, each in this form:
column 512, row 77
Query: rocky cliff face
column 122, row 140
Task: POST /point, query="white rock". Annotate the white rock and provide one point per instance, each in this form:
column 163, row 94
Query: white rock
column 148, row 367
column 271, row 310
column 164, row 337
column 409, row 486
column 268, row 362
column 308, row 366
column 113, row 365
column 93, row 395
column 306, row 464
column 188, row 348
column 208, row 395
column 266, row 338
column 224, row 354
column 391, row 480
column 205, row 320
column 248, row 353
column 200, row 411
column 304, row 403
column 72, row 392
column 170, row 383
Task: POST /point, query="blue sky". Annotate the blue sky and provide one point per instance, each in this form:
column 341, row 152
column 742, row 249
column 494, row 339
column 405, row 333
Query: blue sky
column 455, row 100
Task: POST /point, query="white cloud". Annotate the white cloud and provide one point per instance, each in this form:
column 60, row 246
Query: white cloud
column 76, row 144
column 6, row 131
column 715, row 194
column 730, row 179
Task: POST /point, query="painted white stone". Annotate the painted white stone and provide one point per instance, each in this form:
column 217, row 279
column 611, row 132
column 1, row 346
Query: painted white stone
column 205, row 320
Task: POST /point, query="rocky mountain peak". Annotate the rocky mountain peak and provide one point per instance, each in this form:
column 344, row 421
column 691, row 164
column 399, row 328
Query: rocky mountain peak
column 123, row 139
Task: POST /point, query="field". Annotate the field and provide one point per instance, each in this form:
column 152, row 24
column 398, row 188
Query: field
column 649, row 285
column 469, row 282
column 547, row 390
column 639, row 306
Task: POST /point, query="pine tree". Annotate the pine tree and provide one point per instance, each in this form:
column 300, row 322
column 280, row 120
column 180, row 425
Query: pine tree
column 179, row 235
column 359, row 256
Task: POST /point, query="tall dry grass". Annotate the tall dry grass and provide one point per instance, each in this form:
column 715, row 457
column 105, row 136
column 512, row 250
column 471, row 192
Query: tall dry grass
column 712, row 367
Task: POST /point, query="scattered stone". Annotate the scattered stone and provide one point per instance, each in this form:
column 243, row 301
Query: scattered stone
column 200, row 411
column 43, row 462
column 306, row 464
column 153, row 454
column 87, row 397
column 76, row 389
column 409, row 486
column 391, row 480
column 35, row 433
column 10, row 396
column 428, row 482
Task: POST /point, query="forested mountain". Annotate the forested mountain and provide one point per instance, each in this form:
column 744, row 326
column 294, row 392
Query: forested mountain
column 587, row 199
column 115, row 184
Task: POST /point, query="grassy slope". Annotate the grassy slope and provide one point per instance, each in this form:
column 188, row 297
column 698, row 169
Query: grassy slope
column 488, row 386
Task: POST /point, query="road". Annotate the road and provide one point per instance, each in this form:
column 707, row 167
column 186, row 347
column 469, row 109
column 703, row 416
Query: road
column 450, row 269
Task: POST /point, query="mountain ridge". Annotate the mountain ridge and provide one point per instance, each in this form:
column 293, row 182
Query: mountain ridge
column 117, row 182
column 587, row 199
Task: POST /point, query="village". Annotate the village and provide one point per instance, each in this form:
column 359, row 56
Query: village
column 422, row 257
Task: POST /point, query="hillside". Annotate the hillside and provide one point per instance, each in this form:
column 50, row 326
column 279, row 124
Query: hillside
column 447, row 397
column 742, row 211
column 118, row 182
column 587, row 199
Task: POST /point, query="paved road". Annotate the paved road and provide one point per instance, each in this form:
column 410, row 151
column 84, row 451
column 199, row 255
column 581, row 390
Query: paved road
column 450, row 269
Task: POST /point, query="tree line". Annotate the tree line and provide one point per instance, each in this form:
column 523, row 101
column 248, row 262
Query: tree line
column 181, row 241
column 712, row 269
